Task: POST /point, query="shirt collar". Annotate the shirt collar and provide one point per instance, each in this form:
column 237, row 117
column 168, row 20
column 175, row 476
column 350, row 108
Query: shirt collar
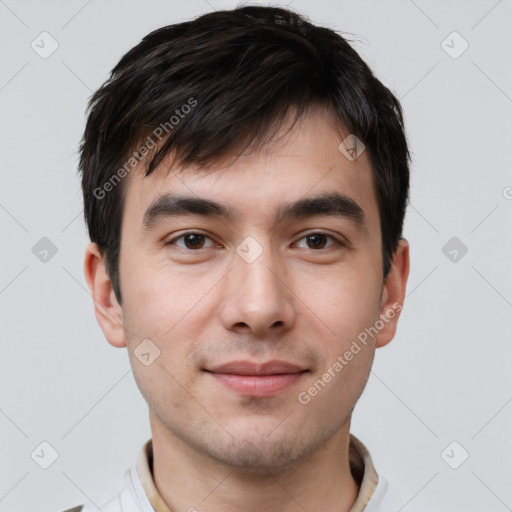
column 361, row 466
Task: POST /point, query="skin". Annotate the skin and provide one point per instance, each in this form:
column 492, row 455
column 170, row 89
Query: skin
column 215, row 449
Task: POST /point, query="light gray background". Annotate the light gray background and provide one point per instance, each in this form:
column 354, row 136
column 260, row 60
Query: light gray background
column 446, row 376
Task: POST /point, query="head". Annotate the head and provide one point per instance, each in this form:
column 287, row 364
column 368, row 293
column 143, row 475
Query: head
column 226, row 224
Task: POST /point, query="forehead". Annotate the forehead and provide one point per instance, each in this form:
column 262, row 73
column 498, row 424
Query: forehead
column 304, row 161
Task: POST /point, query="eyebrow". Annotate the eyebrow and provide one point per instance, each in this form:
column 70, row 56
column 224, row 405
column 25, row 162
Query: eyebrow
column 330, row 204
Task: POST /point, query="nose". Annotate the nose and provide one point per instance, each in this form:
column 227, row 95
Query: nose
column 257, row 296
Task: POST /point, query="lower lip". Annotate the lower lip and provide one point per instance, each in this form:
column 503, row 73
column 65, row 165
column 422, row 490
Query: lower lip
column 258, row 385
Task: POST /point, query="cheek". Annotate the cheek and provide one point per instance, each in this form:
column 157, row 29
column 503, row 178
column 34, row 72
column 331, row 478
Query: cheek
column 166, row 390
column 166, row 308
column 157, row 299
column 345, row 299
column 333, row 391
column 343, row 312
column 160, row 307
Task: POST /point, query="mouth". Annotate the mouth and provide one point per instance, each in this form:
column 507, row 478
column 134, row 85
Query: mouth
column 257, row 379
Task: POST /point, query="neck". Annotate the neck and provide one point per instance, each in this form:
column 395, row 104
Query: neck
column 190, row 480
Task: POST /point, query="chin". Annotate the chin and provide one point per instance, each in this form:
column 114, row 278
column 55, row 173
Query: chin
column 266, row 451
column 262, row 458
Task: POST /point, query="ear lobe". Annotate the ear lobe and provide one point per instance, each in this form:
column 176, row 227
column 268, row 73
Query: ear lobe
column 109, row 313
column 393, row 294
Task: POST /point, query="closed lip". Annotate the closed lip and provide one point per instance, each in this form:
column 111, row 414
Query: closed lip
column 274, row 367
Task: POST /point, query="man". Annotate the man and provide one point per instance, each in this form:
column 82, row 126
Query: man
column 245, row 180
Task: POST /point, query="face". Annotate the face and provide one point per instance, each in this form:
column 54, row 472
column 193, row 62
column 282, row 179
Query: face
column 252, row 305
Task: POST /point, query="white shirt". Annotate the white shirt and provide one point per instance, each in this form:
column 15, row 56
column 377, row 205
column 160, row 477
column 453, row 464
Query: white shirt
column 136, row 492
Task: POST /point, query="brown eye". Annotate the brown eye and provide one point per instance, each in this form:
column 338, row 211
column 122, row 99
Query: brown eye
column 319, row 241
column 191, row 241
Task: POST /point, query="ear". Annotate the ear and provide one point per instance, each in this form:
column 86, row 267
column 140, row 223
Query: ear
column 393, row 294
column 109, row 313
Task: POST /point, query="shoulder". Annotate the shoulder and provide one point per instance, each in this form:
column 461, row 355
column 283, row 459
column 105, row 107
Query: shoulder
column 125, row 494
column 385, row 498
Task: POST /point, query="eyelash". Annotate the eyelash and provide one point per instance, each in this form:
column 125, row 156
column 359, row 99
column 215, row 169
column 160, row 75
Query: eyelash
column 336, row 242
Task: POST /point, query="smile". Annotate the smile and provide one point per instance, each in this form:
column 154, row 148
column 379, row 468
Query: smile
column 257, row 379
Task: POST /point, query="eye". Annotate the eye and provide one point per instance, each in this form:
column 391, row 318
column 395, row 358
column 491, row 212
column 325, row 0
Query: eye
column 194, row 241
column 318, row 240
column 191, row 241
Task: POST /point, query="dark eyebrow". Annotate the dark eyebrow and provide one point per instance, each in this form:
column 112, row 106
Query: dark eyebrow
column 173, row 205
column 333, row 204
